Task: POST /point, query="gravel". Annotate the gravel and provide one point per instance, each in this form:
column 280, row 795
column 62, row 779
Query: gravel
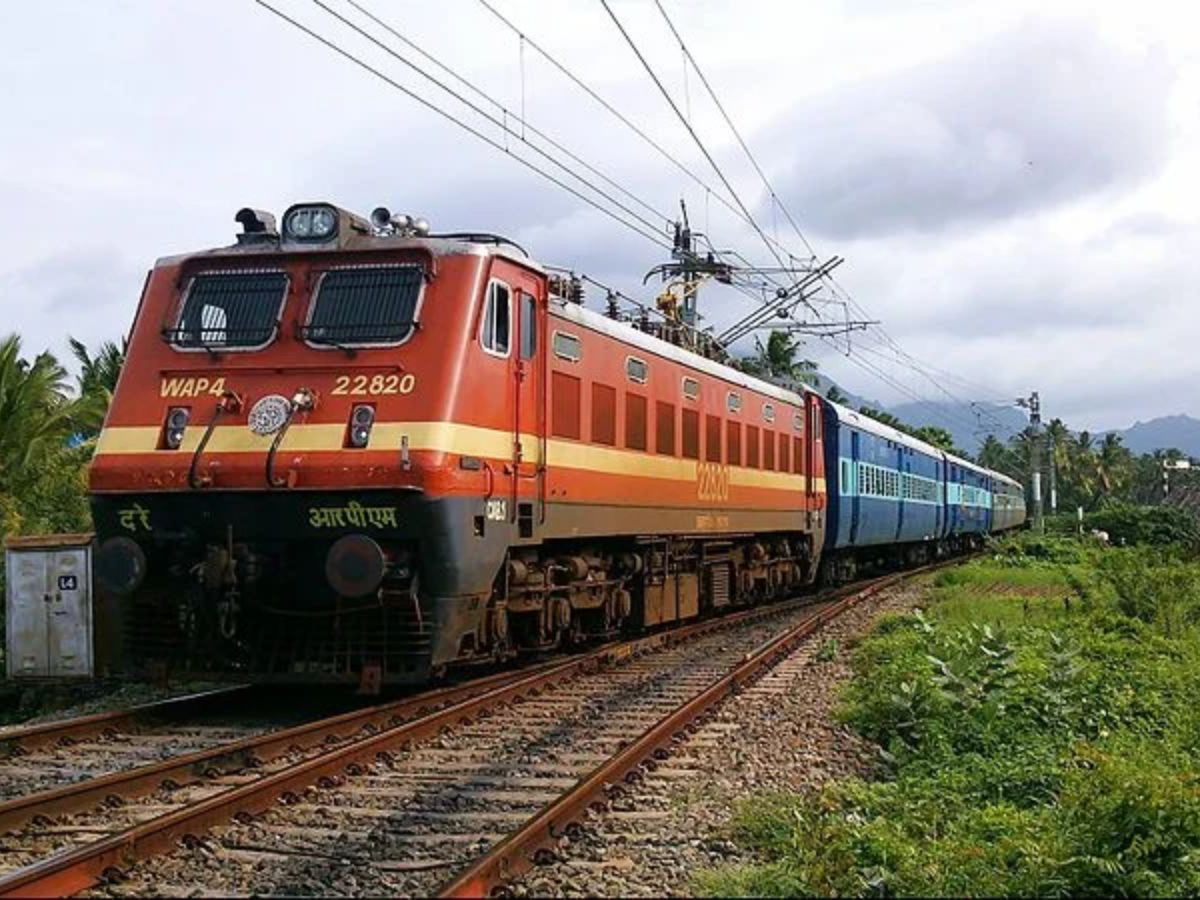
column 779, row 735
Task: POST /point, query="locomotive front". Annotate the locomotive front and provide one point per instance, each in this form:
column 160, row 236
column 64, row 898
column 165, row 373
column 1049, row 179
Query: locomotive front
column 279, row 451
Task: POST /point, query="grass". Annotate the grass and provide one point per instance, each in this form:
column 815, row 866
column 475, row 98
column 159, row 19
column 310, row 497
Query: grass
column 1038, row 733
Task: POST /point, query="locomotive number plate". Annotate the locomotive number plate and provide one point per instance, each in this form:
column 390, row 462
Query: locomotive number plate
column 373, row 385
column 191, row 387
column 712, row 482
column 496, row 510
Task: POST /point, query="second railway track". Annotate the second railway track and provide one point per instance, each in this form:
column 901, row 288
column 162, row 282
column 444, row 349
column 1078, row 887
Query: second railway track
column 458, row 789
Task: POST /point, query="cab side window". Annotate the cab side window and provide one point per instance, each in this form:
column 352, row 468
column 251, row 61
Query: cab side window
column 528, row 326
column 496, row 334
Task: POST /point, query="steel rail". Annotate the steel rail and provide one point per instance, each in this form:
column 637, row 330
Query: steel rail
column 71, row 871
column 523, row 849
column 18, row 740
column 249, row 752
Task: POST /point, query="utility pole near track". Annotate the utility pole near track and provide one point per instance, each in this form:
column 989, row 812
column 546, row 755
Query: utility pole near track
column 1034, row 404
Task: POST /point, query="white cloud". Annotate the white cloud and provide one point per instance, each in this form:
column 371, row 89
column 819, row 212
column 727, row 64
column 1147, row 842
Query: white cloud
column 900, row 133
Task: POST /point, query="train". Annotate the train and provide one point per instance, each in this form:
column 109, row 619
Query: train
column 350, row 449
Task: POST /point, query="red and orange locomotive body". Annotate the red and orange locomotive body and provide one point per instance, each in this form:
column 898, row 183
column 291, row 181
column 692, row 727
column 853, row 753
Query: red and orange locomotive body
column 351, row 451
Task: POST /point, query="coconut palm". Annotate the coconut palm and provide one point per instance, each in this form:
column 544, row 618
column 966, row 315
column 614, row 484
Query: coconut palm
column 776, row 361
column 96, row 382
column 35, row 412
column 1114, row 465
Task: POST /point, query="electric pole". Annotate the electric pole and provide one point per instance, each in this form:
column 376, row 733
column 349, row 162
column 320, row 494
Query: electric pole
column 1052, row 453
column 1034, row 405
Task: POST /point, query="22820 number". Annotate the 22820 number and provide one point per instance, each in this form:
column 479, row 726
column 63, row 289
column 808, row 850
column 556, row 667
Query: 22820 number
column 373, row 385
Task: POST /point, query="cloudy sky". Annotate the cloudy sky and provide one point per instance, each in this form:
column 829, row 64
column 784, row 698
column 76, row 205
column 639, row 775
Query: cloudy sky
column 1014, row 185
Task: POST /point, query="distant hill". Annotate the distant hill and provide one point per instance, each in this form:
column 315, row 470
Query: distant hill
column 1181, row 432
column 970, row 424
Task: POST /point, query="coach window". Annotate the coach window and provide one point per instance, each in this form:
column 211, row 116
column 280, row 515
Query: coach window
column 734, row 402
column 691, row 434
column 604, row 414
column 664, row 428
column 528, row 326
column 496, row 320
column 798, row 422
column 636, row 369
column 564, row 408
column 752, row 446
column 691, row 388
column 733, row 443
column 712, row 439
column 567, row 346
column 768, row 412
column 635, row 422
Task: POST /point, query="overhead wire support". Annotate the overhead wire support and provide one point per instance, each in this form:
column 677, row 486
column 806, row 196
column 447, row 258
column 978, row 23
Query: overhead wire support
column 788, row 297
column 470, row 129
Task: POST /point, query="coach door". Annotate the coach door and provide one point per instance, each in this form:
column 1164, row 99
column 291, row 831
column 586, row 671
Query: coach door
column 814, row 464
column 529, row 408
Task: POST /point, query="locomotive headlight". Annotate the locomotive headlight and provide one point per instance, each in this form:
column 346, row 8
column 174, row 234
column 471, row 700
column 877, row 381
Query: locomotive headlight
column 176, row 426
column 361, row 420
column 310, row 223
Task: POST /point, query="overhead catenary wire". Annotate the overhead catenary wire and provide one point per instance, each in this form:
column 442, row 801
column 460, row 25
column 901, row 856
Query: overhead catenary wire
column 499, row 122
column 616, row 113
column 691, row 131
column 688, row 58
column 475, row 132
column 521, row 119
column 645, row 229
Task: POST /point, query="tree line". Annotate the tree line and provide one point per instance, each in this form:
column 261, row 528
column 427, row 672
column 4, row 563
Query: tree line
column 50, row 423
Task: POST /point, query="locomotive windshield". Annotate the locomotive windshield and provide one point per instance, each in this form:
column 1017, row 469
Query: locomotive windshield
column 365, row 306
column 230, row 309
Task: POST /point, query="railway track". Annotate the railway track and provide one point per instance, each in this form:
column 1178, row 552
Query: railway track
column 50, row 754
column 460, row 788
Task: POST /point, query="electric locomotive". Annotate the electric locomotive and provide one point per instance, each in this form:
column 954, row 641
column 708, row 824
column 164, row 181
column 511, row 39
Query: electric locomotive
column 354, row 450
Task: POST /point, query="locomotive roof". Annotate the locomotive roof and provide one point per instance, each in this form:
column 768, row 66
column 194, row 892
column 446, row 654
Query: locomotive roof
column 436, row 245
column 626, row 333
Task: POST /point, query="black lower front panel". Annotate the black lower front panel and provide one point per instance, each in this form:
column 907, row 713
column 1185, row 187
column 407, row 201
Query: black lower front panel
column 240, row 583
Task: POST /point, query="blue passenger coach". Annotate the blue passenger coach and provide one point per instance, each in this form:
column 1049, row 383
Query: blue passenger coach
column 886, row 492
column 968, row 498
column 896, row 499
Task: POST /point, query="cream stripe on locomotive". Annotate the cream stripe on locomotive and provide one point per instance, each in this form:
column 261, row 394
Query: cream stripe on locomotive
column 444, row 437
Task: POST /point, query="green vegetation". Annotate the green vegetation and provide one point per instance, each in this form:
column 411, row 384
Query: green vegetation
column 1039, row 735
column 47, row 436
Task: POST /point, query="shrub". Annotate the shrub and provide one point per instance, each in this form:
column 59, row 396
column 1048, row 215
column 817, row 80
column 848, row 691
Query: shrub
column 1154, row 587
column 1129, row 524
column 1056, row 758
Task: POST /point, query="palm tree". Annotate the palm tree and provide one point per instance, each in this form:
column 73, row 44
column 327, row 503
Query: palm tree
column 938, row 437
column 96, row 382
column 994, row 455
column 1114, row 465
column 777, row 361
column 34, row 410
